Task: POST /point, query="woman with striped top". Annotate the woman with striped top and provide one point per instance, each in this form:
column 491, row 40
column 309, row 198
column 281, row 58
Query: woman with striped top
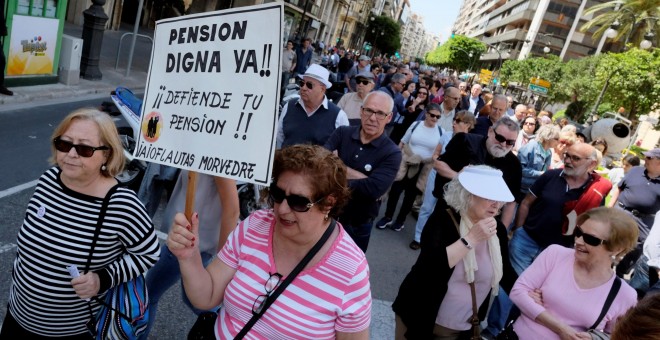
column 59, row 225
column 330, row 298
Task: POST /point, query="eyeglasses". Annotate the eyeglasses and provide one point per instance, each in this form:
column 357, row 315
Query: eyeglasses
column 309, row 84
column 296, row 202
column 363, row 82
column 502, row 139
column 270, row 285
column 648, row 158
column 423, row 93
column 402, row 84
column 529, row 123
column 379, row 115
column 81, row 149
column 458, row 121
column 433, row 116
column 573, row 158
column 588, row 238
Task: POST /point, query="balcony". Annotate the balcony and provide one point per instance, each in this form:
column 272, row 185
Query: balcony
column 312, row 8
column 516, row 34
column 507, row 6
column 523, row 16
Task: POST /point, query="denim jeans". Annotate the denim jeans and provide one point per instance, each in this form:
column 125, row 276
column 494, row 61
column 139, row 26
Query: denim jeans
column 499, row 312
column 428, row 204
column 522, row 250
column 360, row 233
column 163, row 275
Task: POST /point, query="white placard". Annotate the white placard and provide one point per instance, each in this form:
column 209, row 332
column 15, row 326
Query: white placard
column 211, row 99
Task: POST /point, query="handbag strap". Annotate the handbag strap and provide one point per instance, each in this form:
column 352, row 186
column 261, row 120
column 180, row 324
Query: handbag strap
column 99, row 223
column 608, row 302
column 301, row 265
column 474, row 320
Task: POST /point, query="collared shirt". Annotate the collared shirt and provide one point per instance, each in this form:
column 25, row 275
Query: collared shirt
column 379, row 160
column 446, row 120
column 341, row 118
column 473, row 101
column 544, row 220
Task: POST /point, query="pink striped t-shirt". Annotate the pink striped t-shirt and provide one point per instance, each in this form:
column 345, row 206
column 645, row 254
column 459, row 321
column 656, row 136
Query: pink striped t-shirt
column 332, row 296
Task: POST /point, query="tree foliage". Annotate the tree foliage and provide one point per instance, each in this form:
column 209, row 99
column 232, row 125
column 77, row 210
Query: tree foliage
column 455, row 53
column 635, row 16
column 632, row 80
column 390, row 40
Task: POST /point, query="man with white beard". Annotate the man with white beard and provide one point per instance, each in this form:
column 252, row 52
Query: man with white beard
column 493, row 150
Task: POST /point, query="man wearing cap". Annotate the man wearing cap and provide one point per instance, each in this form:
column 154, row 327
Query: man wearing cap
column 361, row 66
column 372, row 161
column 638, row 193
column 312, row 118
column 497, row 110
column 304, row 56
column 351, row 102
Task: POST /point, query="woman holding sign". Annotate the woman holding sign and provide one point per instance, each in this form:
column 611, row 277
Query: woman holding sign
column 286, row 272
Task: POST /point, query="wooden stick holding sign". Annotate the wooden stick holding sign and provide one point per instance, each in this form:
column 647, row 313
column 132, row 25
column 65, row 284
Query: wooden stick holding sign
column 190, row 195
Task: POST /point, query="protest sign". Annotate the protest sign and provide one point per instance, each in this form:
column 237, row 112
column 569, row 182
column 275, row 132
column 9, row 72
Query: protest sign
column 210, row 104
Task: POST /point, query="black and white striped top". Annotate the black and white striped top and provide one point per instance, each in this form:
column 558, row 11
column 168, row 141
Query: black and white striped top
column 57, row 231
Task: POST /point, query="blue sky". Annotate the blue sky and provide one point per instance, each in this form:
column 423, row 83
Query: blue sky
column 439, row 15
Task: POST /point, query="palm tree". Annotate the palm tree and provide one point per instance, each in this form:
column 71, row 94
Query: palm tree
column 635, row 19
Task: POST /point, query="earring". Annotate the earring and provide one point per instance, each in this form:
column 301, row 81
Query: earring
column 326, row 217
column 104, row 168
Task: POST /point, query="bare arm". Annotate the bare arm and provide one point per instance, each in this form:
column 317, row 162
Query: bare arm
column 361, row 335
column 444, row 170
column 205, row 287
column 614, row 196
column 230, row 207
column 347, row 80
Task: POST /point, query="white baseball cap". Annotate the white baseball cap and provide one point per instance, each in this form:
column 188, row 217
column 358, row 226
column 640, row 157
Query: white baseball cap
column 485, row 182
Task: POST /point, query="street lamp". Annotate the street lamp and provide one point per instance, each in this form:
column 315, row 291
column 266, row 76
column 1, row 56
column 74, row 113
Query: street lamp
column 613, row 31
column 341, row 34
column 499, row 59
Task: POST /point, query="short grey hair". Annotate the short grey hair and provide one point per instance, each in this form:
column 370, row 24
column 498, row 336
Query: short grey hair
column 509, row 123
column 547, row 132
column 500, row 97
column 382, row 96
column 457, row 196
column 398, row 77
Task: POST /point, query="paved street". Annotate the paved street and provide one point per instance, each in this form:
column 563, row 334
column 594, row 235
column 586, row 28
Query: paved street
column 25, row 134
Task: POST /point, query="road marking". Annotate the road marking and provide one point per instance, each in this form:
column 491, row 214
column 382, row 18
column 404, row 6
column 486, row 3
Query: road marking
column 7, row 247
column 18, row 188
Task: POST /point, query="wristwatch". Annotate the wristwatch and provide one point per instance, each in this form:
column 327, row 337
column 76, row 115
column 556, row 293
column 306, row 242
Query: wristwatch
column 466, row 243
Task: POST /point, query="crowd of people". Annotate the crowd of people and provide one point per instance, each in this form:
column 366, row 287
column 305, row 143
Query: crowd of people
column 514, row 222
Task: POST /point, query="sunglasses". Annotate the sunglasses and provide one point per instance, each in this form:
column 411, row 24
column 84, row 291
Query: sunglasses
column 81, row 149
column 309, row 84
column 458, row 121
column 270, row 285
column 423, row 94
column 588, row 238
column 502, row 139
column 296, row 202
column 433, row 116
column 362, row 81
column 530, row 124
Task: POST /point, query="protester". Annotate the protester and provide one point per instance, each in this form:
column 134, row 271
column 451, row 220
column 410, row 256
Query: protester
column 638, row 194
column 566, row 140
column 312, row 118
column 640, row 322
column 59, row 231
column 421, row 141
column 216, row 200
column 468, row 246
column 303, row 56
column 288, row 65
column 265, row 248
column 463, row 123
column 560, row 279
column 372, row 160
column 535, row 157
column 351, row 102
column 528, row 127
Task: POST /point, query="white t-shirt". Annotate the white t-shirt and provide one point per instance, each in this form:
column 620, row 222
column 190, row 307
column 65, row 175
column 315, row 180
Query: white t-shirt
column 423, row 140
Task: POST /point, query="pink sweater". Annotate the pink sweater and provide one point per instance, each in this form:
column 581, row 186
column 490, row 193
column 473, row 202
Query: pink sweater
column 331, row 296
column 552, row 272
